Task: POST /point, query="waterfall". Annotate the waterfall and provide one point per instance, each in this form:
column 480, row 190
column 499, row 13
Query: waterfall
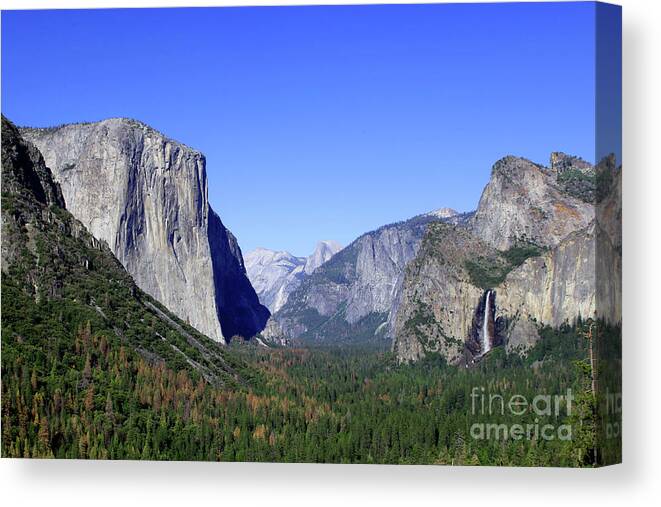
column 486, row 339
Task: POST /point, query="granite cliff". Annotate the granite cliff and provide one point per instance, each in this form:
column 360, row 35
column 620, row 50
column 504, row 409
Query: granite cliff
column 438, row 297
column 526, row 202
column 146, row 196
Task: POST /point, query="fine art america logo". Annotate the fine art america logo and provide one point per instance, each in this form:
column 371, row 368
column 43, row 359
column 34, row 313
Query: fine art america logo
column 526, row 418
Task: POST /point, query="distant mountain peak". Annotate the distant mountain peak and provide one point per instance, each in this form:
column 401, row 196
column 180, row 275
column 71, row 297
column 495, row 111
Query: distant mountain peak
column 274, row 274
column 329, row 243
column 322, row 253
column 264, row 256
column 443, row 213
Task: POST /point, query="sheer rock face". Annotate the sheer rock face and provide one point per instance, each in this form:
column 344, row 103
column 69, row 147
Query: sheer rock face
column 440, row 300
column 437, row 297
column 523, row 202
column 275, row 275
column 552, row 289
column 146, row 197
column 380, row 263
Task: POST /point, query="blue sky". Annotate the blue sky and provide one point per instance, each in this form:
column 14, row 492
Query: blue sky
column 320, row 122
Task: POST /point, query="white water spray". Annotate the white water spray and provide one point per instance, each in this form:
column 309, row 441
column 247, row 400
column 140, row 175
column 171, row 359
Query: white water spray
column 486, row 339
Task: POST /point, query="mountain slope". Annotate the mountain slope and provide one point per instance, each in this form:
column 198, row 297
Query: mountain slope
column 351, row 297
column 274, row 275
column 146, row 196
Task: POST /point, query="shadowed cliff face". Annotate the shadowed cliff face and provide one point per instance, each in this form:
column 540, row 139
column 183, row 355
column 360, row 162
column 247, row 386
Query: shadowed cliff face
column 239, row 310
column 146, row 196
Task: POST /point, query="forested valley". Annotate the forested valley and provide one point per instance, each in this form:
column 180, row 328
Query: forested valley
column 78, row 393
